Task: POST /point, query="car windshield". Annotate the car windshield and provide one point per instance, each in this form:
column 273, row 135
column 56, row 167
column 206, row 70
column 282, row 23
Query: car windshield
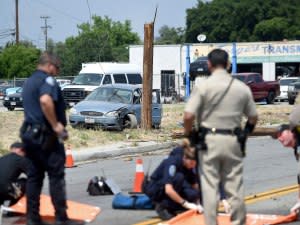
column 93, row 79
column 286, row 82
column 116, row 95
column 239, row 77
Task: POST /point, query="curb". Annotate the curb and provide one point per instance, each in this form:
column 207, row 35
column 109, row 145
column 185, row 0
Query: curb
column 98, row 153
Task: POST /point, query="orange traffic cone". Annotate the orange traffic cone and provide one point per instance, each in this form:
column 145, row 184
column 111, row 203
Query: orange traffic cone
column 139, row 176
column 69, row 158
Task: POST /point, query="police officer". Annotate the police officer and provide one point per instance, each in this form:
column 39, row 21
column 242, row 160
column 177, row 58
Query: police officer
column 291, row 138
column 218, row 105
column 12, row 165
column 43, row 132
column 173, row 185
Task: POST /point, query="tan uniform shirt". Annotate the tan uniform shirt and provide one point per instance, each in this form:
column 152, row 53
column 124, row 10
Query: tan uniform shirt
column 294, row 117
column 229, row 112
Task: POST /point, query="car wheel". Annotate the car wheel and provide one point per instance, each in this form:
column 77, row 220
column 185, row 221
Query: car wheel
column 11, row 108
column 130, row 121
column 271, row 97
column 291, row 101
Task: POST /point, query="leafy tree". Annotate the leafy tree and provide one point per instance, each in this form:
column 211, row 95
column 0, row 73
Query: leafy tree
column 170, row 35
column 247, row 20
column 18, row 60
column 104, row 40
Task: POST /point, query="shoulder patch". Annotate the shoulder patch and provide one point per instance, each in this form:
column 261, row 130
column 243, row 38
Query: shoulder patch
column 172, row 170
column 50, row 81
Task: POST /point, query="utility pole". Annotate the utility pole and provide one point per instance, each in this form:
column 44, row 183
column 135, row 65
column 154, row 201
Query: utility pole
column 46, row 30
column 147, row 76
column 17, row 21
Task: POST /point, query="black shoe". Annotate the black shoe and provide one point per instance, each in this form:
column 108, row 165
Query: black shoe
column 163, row 213
column 37, row 222
column 69, row 222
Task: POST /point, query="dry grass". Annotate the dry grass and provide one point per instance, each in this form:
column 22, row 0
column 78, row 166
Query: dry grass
column 172, row 115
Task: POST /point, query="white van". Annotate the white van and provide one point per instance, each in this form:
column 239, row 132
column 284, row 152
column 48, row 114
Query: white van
column 93, row 75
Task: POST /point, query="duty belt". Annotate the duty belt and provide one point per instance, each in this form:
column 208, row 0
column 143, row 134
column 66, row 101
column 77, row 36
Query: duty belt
column 221, row 131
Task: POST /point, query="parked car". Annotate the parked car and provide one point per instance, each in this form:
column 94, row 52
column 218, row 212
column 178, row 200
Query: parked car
column 12, row 90
column 114, row 107
column 261, row 90
column 284, row 84
column 3, row 90
column 199, row 67
column 293, row 90
column 13, row 101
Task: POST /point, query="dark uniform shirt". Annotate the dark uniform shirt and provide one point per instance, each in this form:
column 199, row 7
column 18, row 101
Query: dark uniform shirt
column 166, row 171
column 38, row 84
column 11, row 167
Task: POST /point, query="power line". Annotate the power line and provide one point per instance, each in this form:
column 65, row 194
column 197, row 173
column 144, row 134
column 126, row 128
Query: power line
column 60, row 11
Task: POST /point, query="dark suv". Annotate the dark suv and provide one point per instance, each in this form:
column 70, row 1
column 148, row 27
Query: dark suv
column 13, row 101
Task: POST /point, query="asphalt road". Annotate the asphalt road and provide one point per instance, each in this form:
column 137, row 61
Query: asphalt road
column 267, row 166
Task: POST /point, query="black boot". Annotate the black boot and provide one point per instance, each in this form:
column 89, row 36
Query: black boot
column 163, row 213
column 36, row 222
column 69, row 222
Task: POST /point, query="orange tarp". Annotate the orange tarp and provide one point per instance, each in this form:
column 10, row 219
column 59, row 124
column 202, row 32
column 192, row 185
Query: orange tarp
column 193, row 218
column 75, row 210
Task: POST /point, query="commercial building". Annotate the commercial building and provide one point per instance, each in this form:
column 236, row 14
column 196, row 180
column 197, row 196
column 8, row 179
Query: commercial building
column 271, row 59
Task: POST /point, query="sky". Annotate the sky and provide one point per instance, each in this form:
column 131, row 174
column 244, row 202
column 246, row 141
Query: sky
column 66, row 14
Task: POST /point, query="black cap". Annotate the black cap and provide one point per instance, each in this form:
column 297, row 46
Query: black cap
column 17, row 145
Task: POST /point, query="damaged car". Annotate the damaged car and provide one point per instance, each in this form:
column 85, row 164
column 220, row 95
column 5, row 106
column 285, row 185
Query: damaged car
column 114, row 107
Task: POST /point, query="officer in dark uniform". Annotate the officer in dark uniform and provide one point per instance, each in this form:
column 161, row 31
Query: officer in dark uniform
column 12, row 165
column 173, row 186
column 43, row 133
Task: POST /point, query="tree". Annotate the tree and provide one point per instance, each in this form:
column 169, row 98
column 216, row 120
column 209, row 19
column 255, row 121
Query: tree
column 247, row 20
column 275, row 29
column 104, row 40
column 170, row 35
column 18, row 60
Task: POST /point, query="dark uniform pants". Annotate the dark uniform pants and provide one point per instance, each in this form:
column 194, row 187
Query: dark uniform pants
column 156, row 192
column 11, row 194
column 52, row 161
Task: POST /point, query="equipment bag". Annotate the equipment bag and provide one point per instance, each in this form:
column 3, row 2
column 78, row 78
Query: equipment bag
column 121, row 201
column 98, row 186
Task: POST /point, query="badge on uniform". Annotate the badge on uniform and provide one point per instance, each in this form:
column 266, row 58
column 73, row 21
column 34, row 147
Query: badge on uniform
column 50, row 81
column 172, row 170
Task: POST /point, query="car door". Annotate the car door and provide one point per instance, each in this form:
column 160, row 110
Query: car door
column 260, row 87
column 137, row 104
column 156, row 108
column 255, row 88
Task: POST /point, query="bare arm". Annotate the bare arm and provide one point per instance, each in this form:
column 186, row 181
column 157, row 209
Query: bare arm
column 173, row 194
column 188, row 120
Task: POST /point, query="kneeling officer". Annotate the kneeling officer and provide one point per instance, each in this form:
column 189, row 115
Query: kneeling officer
column 173, row 186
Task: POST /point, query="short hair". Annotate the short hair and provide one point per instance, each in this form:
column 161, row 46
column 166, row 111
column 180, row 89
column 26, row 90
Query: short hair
column 218, row 57
column 17, row 145
column 47, row 57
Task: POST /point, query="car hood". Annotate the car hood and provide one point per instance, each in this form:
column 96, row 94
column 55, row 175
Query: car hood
column 99, row 106
column 77, row 86
column 15, row 95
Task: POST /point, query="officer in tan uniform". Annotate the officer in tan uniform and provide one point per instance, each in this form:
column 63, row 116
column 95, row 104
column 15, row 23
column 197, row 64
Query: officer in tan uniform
column 218, row 105
column 290, row 137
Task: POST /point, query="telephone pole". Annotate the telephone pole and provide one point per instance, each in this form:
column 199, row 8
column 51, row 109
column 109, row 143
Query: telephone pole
column 17, row 21
column 46, row 27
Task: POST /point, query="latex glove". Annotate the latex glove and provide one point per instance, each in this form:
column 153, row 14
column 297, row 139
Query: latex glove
column 227, row 206
column 296, row 207
column 287, row 139
column 189, row 205
column 200, row 208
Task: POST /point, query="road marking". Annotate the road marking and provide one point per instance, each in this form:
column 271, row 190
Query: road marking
column 250, row 199
column 149, row 222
